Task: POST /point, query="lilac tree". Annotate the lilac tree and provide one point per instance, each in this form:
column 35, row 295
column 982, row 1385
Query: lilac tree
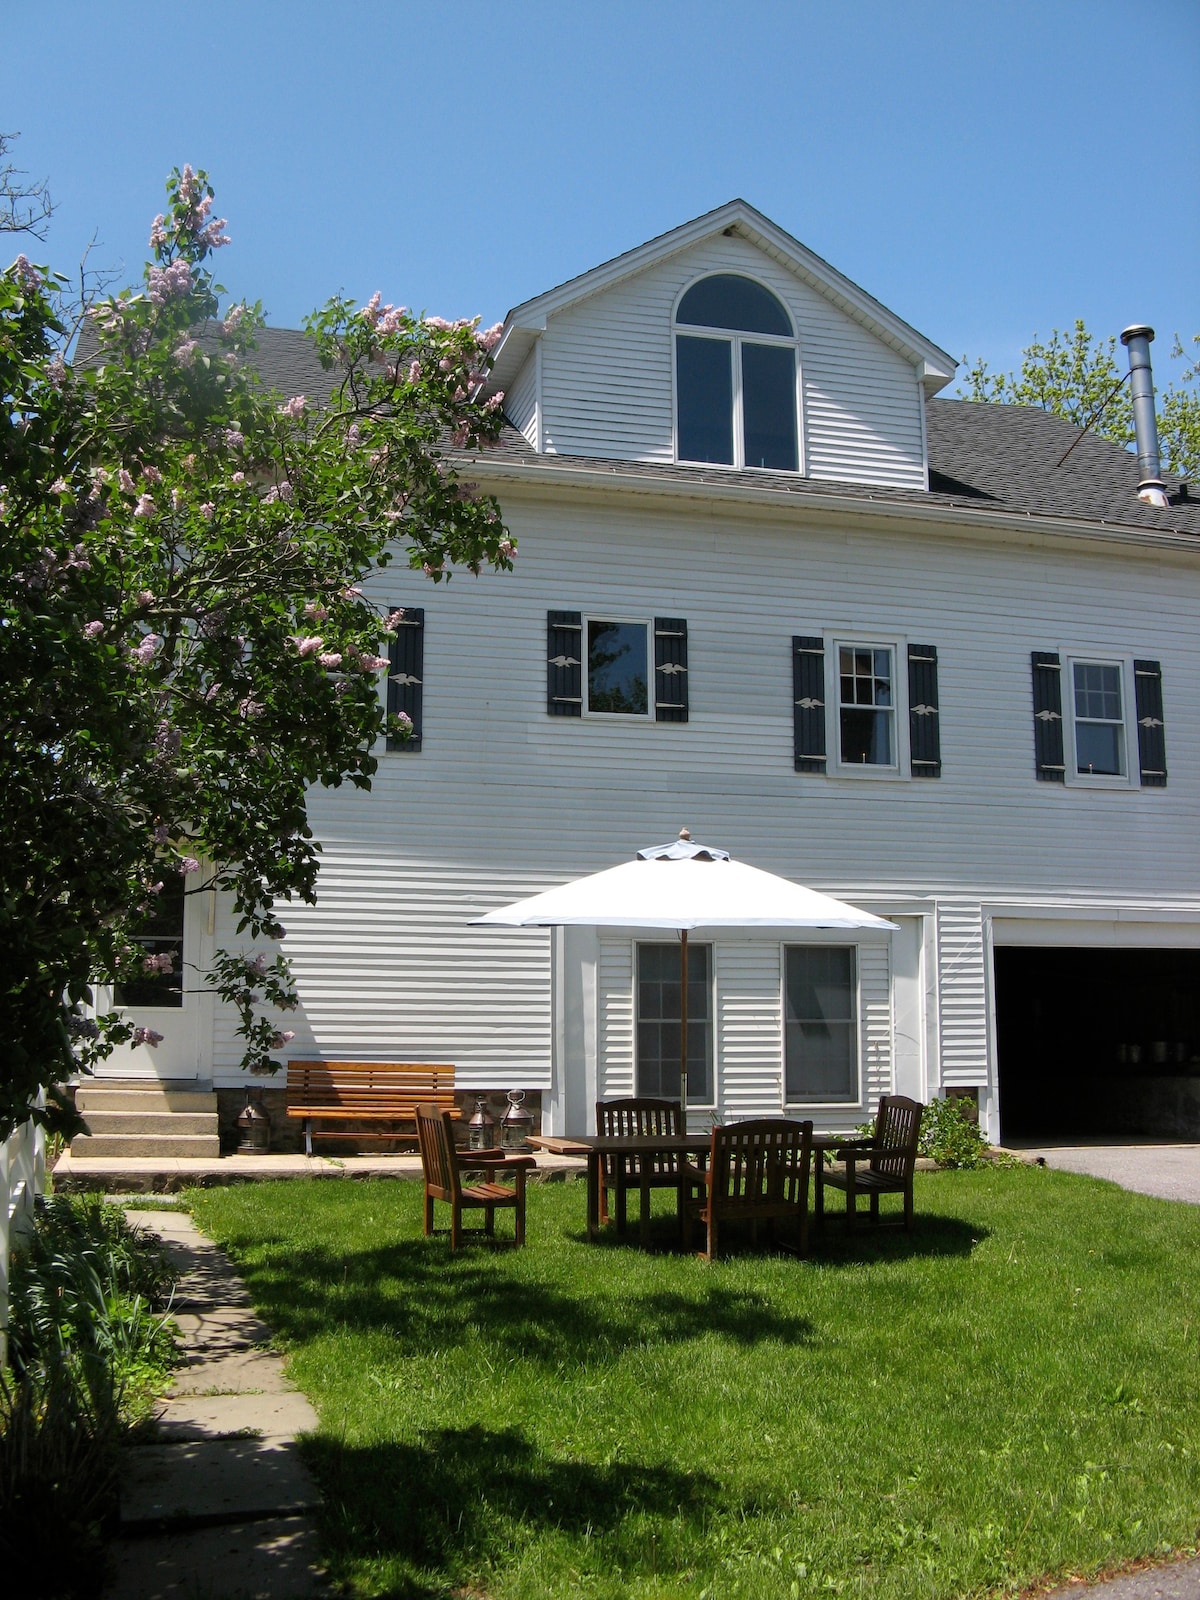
column 184, row 640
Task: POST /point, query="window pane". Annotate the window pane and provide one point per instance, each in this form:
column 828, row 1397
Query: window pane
column 1097, row 691
column 820, row 1032
column 769, row 406
column 617, row 667
column 730, row 301
column 867, row 738
column 161, row 935
column 1099, row 748
column 658, row 1022
column 704, row 386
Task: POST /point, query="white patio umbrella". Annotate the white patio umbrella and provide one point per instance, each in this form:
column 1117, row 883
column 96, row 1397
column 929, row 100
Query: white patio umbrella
column 682, row 886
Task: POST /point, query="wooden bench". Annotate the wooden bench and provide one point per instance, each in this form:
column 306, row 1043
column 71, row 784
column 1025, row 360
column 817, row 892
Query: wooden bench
column 366, row 1091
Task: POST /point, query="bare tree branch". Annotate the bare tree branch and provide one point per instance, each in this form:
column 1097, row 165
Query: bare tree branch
column 24, row 207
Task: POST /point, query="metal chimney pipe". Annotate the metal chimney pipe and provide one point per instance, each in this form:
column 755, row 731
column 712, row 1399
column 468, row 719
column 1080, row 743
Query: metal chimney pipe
column 1151, row 488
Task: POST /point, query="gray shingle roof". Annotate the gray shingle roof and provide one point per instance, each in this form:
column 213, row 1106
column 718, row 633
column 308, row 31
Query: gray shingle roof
column 980, row 456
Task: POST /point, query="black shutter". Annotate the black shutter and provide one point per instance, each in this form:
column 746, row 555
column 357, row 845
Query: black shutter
column 564, row 658
column 808, row 696
column 670, row 670
column 924, row 720
column 1152, row 742
column 1047, row 717
column 406, row 674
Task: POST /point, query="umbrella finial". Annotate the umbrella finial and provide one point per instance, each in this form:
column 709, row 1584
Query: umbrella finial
column 685, row 833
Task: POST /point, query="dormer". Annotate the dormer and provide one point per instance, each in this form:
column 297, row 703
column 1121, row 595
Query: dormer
column 724, row 344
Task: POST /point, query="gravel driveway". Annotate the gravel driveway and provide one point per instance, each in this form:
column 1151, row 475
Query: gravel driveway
column 1170, row 1171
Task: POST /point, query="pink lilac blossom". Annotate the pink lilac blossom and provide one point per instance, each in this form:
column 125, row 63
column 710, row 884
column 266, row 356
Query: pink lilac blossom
column 308, row 645
column 284, row 1036
column 169, row 283
column 60, row 486
column 56, row 371
column 233, row 318
column 258, row 967
column 155, row 888
column 93, row 629
column 188, row 865
column 161, row 963
column 185, row 352
column 250, row 709
column 351, row 592
column 148, row 649
column 158, row 232
column 494, row 402
column 405, row 721
column 147, row 1036
column 438, row 322
column 315, row 611
column 152, row 475
column 26, row 273
column 206, row 509
column 161, row 833
column 238, row 477
column 145, row 506
column 507, row 549
column 234, row 438
column 295, row 407
column 414, row 372
column 147, row 598
column 395, row 618
column 330, row 660
column 490, row 337
column 372, row 663
column 125, row 479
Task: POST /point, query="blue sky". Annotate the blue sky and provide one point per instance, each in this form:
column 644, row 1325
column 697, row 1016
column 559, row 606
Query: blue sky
column 987, row 170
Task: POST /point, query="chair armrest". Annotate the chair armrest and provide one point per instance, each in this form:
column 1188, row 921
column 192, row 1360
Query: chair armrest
column 494, row 1158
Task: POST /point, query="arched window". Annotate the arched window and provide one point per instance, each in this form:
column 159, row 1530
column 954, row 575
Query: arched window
column 735, row 376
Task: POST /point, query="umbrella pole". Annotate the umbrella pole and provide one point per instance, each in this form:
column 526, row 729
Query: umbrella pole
column 683, row 1042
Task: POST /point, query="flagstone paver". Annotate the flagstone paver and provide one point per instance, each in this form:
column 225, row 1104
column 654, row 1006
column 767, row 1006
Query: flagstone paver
column 215, row 1506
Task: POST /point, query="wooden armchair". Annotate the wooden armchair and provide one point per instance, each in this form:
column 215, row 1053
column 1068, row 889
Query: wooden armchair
column 891, row 1157
column 618, row 1118
column 443, row 1166
column 758, row 1171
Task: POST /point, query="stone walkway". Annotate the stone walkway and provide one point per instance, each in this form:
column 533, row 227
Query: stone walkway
column 216, row 1506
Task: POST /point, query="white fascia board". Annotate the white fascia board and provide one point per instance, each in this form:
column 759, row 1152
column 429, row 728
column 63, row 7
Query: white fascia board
column 550, row 476
column 935, row 367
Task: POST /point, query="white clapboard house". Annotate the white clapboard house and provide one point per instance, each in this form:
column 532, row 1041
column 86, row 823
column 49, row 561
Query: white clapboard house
column 933, row 657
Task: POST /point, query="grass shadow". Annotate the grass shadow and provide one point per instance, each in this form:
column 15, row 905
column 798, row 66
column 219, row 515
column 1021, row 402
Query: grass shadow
column 436, row 1511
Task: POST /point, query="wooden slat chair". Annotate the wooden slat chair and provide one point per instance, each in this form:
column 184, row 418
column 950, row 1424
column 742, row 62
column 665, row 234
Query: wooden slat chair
column 758, row 1171
column 619, row 1118
column 891, row 1156
column 443, row 1166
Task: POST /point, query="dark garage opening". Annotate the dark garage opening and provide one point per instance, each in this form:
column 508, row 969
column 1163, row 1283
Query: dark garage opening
column 1094, row 1042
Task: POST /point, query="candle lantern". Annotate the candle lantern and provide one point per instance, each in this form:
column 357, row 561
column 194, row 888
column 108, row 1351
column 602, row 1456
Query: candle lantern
column 516, row 1124
column 481, row 1130
column 254, row 1128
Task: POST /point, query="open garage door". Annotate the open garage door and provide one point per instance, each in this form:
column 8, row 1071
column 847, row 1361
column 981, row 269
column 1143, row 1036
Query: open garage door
column 1098, row 1041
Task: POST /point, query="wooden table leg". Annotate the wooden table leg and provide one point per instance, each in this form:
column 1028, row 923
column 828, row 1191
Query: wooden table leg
column 593, row 1194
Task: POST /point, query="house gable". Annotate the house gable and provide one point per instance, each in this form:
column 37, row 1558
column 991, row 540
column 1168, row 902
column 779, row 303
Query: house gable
column 589, row 368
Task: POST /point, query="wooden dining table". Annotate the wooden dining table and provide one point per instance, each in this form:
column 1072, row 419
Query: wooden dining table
column 630, row 1146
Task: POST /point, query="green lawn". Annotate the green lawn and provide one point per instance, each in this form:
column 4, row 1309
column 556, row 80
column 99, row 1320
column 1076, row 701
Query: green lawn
column 1012, row 1392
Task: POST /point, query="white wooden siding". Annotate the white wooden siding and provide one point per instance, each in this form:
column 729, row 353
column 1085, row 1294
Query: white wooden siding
column 607, row 374
column 520, row 403
column 962, row 983
column 504, row 800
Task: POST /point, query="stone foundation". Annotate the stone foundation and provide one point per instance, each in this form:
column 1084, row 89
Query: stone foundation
column 287, row 1133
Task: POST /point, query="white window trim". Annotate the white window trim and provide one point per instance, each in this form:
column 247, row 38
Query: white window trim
column 692, row 1105
column 834, row 1108
column 900, row 770
column 737, row 336
column 637, row 718
column 1131, row 777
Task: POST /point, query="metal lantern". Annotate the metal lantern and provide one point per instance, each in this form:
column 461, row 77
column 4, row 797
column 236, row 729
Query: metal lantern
column 481, row 1130
column 516, row 1125
column 254, row 1128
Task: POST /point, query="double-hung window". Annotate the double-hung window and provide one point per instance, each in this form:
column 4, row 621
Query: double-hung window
column 1099, row 706
column 659, row 1022
column 618, row 655
column 866, row 705
column 820, row 1030
column 735, row 376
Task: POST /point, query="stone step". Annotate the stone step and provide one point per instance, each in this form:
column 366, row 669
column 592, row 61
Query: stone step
column 160, row 1146
column 127, row 1096
column 150, row 1122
